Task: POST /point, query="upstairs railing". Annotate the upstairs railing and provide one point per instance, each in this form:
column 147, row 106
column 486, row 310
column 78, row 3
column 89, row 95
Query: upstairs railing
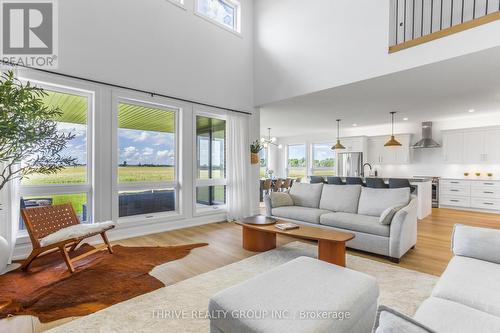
column 414, row 22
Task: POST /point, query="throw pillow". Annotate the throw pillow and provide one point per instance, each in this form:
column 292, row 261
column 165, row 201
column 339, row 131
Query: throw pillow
column 388, row 214
column 280, row 199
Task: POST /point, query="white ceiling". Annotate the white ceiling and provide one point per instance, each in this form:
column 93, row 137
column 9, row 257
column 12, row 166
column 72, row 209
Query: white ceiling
column 433, row 92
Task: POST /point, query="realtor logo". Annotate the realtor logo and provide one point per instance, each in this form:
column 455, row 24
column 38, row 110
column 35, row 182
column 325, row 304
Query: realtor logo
column 29, row 33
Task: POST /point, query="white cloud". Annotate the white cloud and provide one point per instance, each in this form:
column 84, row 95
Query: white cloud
column 129, row 152
column 164, row 153
column 148, row 151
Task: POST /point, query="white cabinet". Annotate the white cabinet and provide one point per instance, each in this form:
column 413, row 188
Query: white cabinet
column 356, row 144
column 475, row 194
column 474, row 146
column 491, row 146
column 379, row 154
column 478, row 145
column 453, row 146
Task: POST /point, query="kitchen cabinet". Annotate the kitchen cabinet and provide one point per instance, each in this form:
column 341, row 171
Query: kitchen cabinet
column 472, row 146
column 491, row 146
column 379, row 154
column 453, row 147
column 470, row 194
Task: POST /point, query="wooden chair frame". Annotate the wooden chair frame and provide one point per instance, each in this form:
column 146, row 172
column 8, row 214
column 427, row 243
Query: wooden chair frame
column 43, row 221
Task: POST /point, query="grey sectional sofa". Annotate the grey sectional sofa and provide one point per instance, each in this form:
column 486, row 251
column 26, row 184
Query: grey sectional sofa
column 354, row 209
column 466, row 297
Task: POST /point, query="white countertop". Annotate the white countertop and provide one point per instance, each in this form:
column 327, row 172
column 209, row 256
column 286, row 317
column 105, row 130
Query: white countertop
column 474, row 178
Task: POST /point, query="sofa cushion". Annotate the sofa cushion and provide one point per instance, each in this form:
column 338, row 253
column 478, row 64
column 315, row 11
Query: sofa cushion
column 305, row 214
column 374, row 201
column 388, row 214
column 474, row 242
column 76, row 231
column 306, row 195
column 471, row 282
column 280, row 199
column 392, row 321
column 340, row 198
column 355, row 222
column 445, row 316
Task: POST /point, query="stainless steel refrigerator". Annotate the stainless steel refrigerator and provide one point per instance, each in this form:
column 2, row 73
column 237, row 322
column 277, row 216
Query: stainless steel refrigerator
column 350, row 164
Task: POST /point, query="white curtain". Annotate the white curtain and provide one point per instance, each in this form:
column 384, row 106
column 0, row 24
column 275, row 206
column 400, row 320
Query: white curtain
column 238, row 168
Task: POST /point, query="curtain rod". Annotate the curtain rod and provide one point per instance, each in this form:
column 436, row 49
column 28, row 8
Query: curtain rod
column 152, row 94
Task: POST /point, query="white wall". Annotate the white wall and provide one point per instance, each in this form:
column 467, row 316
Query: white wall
column 424, row 162
column 154, row 45
column 307, row 46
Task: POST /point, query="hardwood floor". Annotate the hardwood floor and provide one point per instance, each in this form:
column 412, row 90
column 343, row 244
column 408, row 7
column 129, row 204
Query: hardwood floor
column 431, row 254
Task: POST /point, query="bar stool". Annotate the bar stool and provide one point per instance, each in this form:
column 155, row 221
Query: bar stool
column 401, row 183
column 375, row 183
column 335, row 181
column 317, row 180
column 354, row 181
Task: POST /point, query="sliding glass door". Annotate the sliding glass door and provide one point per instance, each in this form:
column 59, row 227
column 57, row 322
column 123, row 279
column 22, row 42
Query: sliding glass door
column 210, row 163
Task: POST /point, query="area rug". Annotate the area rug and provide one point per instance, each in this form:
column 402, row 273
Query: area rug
column 181, row 307
column 49, row 292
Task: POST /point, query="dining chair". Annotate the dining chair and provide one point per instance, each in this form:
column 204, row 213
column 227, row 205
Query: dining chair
column 287, row 184
column 375, row 183
column 354, row 181
column 334, row 181
column 266, row 185
column 277, row 186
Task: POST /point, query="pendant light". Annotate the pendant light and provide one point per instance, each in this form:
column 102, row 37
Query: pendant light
column 392, row 141
column 338, row 145
column 270, row 140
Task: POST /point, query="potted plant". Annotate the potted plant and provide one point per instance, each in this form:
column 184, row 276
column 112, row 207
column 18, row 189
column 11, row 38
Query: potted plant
column 29, row 140
column 255, row 149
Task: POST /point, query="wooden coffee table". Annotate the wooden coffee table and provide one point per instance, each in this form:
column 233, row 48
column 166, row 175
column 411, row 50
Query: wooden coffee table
column 331, row 243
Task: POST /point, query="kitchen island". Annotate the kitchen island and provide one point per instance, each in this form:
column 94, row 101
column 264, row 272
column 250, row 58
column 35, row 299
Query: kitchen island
column 423, row 193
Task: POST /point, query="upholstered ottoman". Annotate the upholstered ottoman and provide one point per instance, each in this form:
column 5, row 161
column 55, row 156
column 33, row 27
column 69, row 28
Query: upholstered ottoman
column 303, row 295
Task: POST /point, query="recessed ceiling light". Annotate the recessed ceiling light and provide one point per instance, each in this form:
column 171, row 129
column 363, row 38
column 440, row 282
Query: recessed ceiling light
column 472, row 111
column 405, row 119
column 354, row 125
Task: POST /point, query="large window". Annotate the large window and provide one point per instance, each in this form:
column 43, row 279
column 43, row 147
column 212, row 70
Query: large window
column 323, row 160
column 146, row 158
column 72, row 184
column 223, row 12
column 210, row 163
column 296, row 163
column 263, row 160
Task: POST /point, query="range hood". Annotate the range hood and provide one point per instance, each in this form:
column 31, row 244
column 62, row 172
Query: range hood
column 427, row 141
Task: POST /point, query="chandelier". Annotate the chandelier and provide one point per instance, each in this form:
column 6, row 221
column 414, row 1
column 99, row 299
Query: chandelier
column 269, row 140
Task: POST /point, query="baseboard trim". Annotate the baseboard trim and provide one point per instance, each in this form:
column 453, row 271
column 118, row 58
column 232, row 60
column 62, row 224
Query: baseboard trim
column 125, row 231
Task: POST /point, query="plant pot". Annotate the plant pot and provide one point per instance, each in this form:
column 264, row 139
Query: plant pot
column 254, row 158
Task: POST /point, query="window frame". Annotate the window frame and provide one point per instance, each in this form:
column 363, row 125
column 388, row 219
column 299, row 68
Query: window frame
column 237, row 16
column 217, row 209
column 306, row 171
column 179, row 3
column 312, row 168
column 61, row 189
column 117, row 187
